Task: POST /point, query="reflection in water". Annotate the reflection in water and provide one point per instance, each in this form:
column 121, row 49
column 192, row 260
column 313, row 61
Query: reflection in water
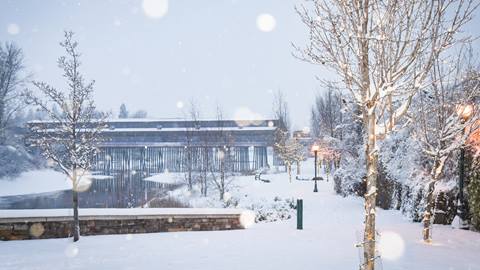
column 123, row 190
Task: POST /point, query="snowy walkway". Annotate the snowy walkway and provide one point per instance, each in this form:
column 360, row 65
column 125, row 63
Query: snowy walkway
column 326, row 243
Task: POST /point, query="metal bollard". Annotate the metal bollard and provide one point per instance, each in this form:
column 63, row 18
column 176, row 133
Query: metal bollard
column 299, row 214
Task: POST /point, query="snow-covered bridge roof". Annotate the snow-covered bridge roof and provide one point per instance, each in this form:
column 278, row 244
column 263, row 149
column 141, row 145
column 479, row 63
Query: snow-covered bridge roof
column 175, row 132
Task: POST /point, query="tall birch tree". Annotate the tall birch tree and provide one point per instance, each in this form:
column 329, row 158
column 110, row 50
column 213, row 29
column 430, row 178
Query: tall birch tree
column 382, row 51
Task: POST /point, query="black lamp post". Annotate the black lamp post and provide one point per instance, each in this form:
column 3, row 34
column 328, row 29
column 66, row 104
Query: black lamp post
column 465, row 111
column 461, row 209
column 315, row 151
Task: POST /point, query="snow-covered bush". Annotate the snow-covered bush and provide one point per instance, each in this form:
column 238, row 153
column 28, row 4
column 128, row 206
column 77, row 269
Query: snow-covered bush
column 401, row 157
column 411, row 201
column 267, row 207
column 278, row 209
column 402, row 178
column 166, row 202
column 406, row 175
column 348, row 178
column 401, row 160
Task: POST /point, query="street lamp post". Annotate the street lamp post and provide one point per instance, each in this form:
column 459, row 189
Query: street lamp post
column 315, row 151
column 465, row 112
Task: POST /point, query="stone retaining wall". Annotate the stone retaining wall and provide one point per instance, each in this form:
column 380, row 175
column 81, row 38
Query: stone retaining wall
column 61, row 226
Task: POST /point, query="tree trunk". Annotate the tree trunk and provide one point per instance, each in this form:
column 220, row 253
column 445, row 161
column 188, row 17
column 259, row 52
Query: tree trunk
column 430, row 205
column 205, row 170
column 427, row 216
column 190, row 184
column 289, row 169
column 2, row 121
column 370, row 196
column 298, row 167
column 76, row 223
column 369, row 118
column 222, row 178
column 189, row 168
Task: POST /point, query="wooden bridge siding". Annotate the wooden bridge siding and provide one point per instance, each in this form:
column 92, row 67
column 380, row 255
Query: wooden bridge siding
column 151, row 160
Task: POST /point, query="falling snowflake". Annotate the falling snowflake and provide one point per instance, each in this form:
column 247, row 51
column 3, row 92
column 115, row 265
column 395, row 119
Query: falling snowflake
column 71, row 251
column 13, row 29
column 126, row 71
column 180, row 104
column 391, row 245
column 266, row 22
column 155, row 9
column 243, row 116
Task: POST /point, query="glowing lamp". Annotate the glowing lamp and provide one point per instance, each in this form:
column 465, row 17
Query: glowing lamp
column 465, row 111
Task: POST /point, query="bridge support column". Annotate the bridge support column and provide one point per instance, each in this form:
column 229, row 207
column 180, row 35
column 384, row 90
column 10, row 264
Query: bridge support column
column 250, row 158
column 270, row 156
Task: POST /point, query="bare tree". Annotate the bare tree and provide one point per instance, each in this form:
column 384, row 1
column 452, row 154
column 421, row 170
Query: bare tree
column 326, row 118
column 382, row 50
column 11, row 65
column 281, row 114
column 71, row 139
column 205, row 158
column 222, row 177
column 193, row 117
column 280, row 111
column 123, row 113
column 445, row 118
column 292, row 152
column 139, row 114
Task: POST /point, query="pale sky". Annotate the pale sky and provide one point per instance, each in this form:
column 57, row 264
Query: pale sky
column 213, row 51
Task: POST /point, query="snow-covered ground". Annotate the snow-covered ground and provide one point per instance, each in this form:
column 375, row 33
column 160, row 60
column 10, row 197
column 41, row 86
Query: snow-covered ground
column 36, row 181
column 327, row 241
column 39, row 181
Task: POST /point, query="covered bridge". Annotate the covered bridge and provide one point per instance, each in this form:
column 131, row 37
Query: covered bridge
column 175, row 145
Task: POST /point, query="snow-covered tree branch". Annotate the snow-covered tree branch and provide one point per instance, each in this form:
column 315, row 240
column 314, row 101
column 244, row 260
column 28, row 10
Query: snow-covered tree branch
column 446, row 115
column 290, row 152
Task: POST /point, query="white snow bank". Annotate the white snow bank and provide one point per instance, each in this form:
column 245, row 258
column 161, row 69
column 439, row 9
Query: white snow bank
column 165, row 178
column 14, row 213
column 39, row 181
column 36, row 181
